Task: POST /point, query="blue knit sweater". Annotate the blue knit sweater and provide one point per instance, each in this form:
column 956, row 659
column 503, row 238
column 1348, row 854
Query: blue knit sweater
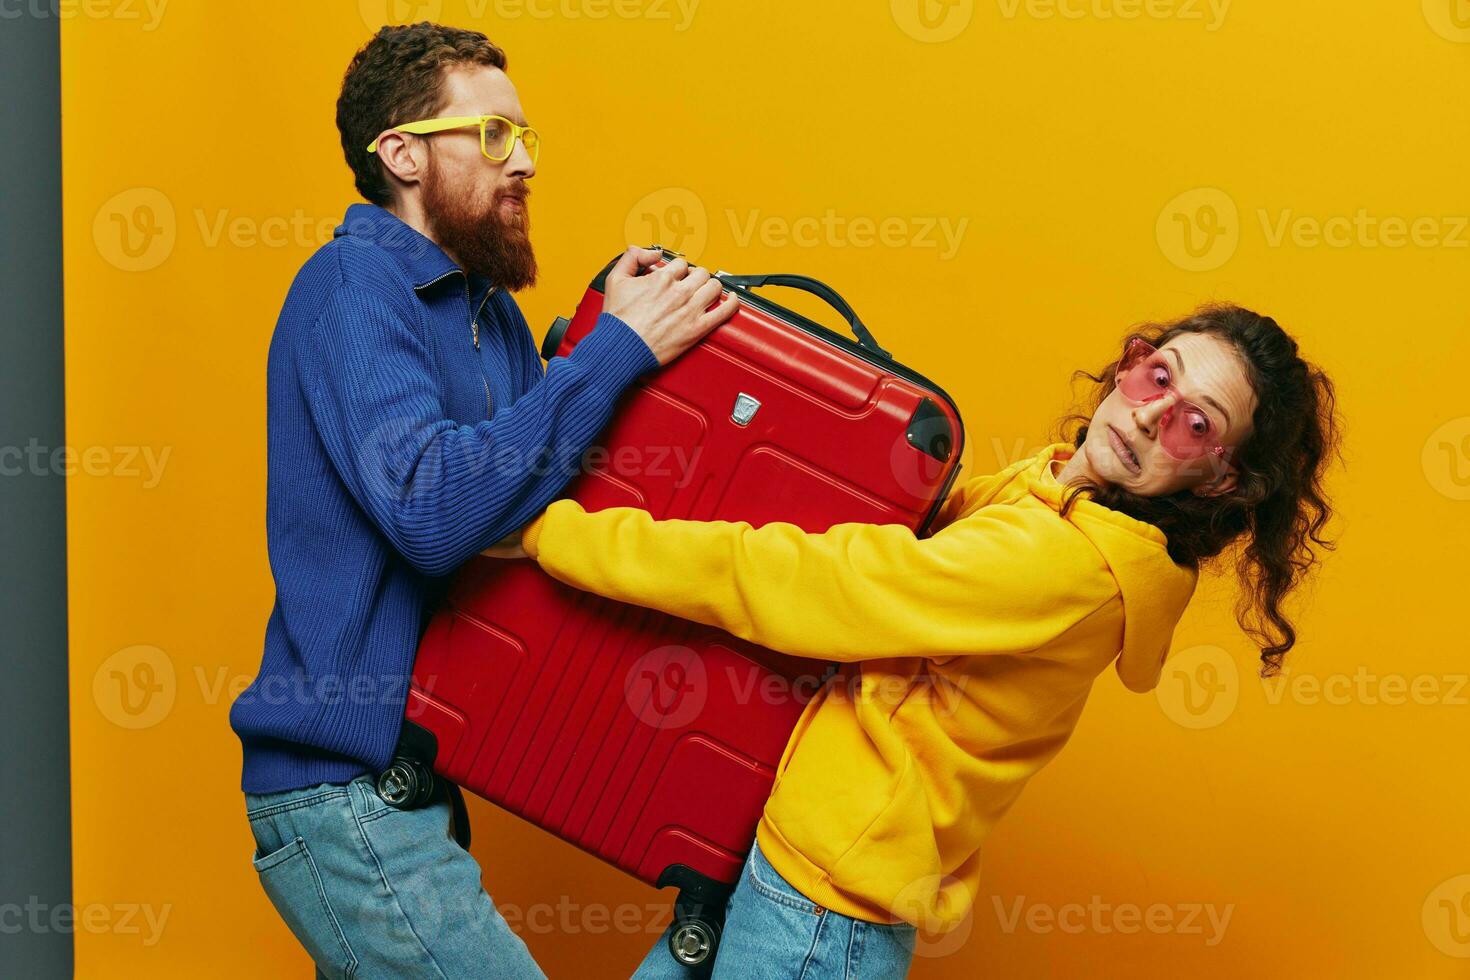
column 409, row 426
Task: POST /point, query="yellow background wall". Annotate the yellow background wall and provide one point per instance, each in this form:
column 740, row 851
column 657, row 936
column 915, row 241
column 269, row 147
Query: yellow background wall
column 1315, row 155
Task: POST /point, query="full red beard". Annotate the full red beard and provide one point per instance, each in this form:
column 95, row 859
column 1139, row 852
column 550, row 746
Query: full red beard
column 483, row 239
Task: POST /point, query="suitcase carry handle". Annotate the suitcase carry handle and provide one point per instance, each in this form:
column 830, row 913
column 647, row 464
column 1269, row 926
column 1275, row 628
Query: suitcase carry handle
column 817, row 288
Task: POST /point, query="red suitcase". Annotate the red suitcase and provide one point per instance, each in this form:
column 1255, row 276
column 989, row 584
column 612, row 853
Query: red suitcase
column 650, row 741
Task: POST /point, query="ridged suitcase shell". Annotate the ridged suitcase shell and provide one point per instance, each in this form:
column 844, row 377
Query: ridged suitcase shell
column 649, row 741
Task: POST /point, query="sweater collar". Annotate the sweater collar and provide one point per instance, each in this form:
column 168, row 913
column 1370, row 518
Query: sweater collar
column 423, row 261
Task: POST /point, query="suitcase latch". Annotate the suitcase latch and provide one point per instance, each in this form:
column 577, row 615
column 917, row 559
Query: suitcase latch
column 744, row 410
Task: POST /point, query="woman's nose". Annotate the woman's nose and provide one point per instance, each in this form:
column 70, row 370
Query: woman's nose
column 1147, row 415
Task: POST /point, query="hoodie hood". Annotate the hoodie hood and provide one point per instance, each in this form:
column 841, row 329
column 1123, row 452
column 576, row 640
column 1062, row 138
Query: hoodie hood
column 1155, row 591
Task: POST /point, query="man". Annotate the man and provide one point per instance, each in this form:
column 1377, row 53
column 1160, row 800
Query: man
column 411, row 425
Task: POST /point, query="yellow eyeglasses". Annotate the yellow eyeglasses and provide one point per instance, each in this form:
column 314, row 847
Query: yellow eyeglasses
column 498, row 134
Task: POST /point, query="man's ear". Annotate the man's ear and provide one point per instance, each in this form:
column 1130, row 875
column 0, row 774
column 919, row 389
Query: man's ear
column 402, row 157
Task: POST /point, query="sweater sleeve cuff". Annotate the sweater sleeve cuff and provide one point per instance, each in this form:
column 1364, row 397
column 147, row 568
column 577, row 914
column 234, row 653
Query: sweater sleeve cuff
column 613, row 353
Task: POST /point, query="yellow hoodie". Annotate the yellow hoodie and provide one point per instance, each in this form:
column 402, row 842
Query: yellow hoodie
column 969, row 657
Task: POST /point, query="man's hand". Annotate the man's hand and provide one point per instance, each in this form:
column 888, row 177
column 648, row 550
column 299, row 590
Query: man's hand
column 507, row 547
column 667, row 307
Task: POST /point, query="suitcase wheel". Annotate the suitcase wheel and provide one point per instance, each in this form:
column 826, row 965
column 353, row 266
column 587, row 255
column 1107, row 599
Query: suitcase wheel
column 693, row 940
column 406, row 784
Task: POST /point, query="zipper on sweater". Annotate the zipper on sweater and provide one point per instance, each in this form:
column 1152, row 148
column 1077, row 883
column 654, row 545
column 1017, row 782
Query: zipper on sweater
column 475, row 337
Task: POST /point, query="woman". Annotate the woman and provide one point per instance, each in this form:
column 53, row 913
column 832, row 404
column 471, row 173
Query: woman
column 973, row 650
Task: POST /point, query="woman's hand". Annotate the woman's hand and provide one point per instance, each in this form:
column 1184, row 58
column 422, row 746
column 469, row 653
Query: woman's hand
column 507, row 547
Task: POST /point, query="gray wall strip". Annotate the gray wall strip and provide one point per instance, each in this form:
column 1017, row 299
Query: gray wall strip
column 35, row 808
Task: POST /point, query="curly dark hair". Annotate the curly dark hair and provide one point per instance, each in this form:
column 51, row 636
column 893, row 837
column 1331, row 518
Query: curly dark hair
column 396, row 78
column 1278, row 509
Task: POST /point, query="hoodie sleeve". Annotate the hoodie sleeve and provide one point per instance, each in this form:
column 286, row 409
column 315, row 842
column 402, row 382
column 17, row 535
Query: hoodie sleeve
column 1004, row 580
column 963, row 496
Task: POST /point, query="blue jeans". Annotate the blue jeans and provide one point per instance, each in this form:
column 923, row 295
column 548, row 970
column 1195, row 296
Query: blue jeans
column 371, row 891
column 774, row 932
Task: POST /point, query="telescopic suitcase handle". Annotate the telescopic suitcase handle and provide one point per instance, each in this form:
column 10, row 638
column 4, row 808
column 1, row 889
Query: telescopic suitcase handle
column 817, row 288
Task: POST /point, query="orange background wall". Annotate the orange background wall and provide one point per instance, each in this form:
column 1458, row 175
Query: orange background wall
column 1094, row 162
